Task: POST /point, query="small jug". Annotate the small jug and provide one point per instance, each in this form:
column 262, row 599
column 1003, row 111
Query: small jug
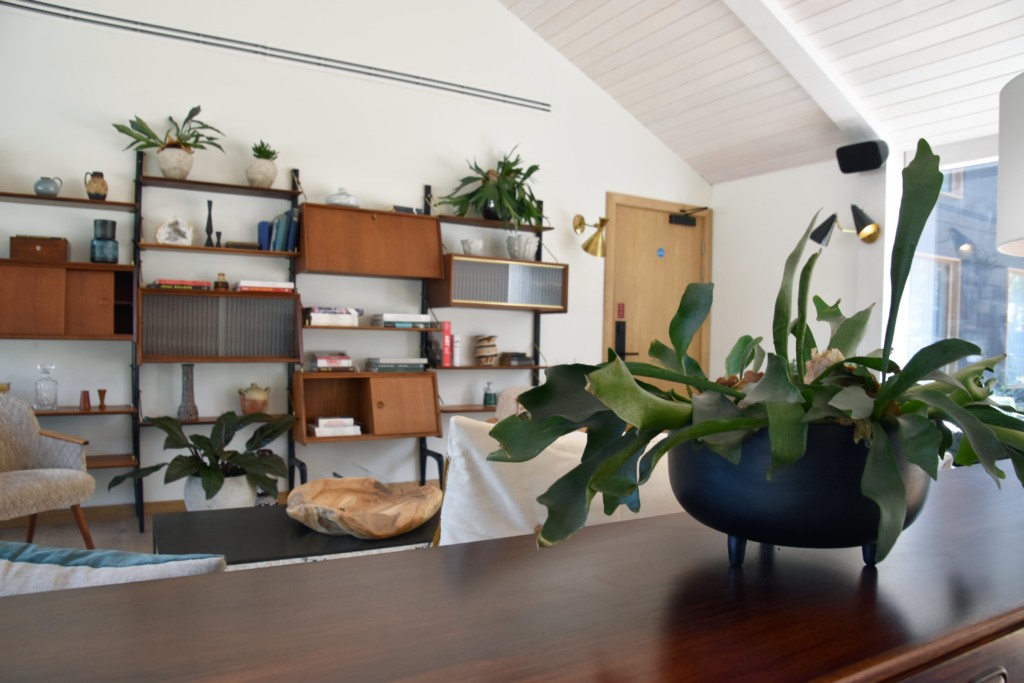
column 95, row 185
column 48, row 187
column 254, row 399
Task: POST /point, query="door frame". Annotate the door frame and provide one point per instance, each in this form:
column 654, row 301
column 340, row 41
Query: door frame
column 614, row 200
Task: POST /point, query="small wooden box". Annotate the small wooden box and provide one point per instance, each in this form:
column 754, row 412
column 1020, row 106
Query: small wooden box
column 45, row 249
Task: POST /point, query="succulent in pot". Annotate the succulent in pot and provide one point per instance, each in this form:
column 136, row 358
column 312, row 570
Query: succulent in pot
column 892, row 413
column 261, row 170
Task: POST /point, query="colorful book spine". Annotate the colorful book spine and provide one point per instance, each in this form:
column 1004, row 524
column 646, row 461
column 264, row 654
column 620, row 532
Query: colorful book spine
column 264, row 230
column 265, row 283
column 350, row 430
column 441, row 345
column 334, row 421
column 292, row 240
column 197, row 288
column 163, row 281
column 402, row 317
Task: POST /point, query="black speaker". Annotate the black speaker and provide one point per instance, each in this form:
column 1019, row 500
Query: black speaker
column 864, row 156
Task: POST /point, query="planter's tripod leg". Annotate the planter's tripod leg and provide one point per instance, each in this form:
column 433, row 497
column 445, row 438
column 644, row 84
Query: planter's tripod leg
column 868, row 552
column 737, row 550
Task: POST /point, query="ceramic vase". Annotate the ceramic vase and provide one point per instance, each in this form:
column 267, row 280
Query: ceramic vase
column 260, row 172
column 175, row 163
column 816, row 502
column 522, row 246
column 209, row 223
column 187, row 411
column 236, row 492
column 95, row 185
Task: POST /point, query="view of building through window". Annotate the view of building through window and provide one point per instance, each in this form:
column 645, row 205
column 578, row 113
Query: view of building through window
column 960, row 285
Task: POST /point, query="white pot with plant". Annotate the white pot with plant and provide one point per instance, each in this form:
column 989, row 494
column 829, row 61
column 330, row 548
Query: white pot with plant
column 174, row 149
column 261, row 170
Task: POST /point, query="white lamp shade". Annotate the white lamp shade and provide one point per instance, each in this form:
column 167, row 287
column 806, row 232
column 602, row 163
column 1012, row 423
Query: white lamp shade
column 1010, row 224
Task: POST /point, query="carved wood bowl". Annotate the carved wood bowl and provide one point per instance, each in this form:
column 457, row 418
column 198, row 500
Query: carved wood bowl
column 363, row 507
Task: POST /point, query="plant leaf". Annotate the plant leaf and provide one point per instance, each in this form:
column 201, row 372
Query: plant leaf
column 784, row 300
column 775, row 386
column 741, row 354
column 662, row 353
column 982, row 440
column 849, row 333
column 854, row 402
column 787, row 433
column 172, row 428
column 922, row 181
column 212, row 480
column 882, row 483
column 803, row 291
column 621, row 393
column 926, row 361
column 919, row 441
column 138, row 473
column 182, row 466
column 694, row 306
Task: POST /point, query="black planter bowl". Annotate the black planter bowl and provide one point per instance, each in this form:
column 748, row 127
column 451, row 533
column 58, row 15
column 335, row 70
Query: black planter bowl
column 814, row 503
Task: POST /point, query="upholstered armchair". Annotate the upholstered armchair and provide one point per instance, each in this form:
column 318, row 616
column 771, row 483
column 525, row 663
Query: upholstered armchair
column 40, row 470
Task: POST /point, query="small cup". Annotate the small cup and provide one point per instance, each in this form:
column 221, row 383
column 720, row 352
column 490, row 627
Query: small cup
column 83, row 402
column 472, row 247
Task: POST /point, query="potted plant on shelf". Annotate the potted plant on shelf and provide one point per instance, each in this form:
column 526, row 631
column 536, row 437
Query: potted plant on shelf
column 504, row 194
column 174, row 149
column 261, row 170
column 218, row 477
column 820, row 449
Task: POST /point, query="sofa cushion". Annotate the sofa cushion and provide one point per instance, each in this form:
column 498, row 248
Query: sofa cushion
column 29, row 568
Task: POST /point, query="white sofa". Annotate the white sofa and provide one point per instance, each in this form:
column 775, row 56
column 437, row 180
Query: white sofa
column 485, row 499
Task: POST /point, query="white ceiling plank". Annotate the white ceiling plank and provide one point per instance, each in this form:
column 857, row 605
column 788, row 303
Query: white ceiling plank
column 582, row 19
column 796, row 54
column 936, row 77
column 939, row 100
column 603, row 31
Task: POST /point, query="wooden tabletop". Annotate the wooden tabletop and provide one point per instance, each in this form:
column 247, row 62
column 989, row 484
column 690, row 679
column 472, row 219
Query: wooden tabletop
column 642, row 600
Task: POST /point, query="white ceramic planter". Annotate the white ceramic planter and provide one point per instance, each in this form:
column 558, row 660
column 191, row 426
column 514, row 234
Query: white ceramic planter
column 522, row 246
column 237, row 492
column 260, row 172
column 175, row 163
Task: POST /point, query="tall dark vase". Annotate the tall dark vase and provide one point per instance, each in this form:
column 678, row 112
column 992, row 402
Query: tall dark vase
column 209, row 223
column 187, row 411
column 490, row 211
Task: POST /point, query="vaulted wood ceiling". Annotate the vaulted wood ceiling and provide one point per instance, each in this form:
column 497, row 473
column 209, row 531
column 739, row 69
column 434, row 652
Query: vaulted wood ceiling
column 742, row 87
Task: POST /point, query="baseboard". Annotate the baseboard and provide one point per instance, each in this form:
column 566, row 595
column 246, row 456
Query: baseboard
column 106, row 513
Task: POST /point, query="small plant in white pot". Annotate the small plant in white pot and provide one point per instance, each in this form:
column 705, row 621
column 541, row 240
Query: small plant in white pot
column 174, row 149
column 261, row 170
column 216, row 476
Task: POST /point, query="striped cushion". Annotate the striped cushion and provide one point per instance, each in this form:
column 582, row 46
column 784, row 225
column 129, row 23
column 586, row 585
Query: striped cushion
column 28, row 568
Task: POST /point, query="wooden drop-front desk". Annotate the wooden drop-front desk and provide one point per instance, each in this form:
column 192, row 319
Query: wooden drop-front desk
column 643, row 600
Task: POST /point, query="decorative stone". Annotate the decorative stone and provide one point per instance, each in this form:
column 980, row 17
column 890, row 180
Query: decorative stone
column 175, row 231
column 363, row 507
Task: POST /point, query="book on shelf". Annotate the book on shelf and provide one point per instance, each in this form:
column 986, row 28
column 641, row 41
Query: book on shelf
column 201, row 288
column 401, row 318
column 334, row 421
column 514, row 358
column 441, row 345
column 263, row 234
column 273, row 284
column 333, row 309
column 165, row 281
column 331, row 320
column 331, row 359
column 403, row 325
column 346, row 430
column 332, row 368
column 292, row 240
column 255, row 246
column 396, row 361
column 281, row 222
column 389, row 367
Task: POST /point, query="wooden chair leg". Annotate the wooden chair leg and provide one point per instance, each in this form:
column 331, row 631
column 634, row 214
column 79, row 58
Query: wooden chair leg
column 31, row 529
column 83, row 526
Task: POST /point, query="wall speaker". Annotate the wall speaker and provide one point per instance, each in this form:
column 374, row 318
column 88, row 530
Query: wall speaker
column 864, row 156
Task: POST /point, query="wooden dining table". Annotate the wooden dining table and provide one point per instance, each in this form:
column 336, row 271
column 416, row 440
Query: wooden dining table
column 652, row 599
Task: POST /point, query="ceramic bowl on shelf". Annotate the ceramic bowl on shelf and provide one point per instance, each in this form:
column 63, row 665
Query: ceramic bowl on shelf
column 342, row 198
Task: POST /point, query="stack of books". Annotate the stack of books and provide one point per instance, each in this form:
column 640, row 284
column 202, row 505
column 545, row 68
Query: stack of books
column 409, row 320
column 181, row 284
column 514, row 358
column 331, row 361
column 333, row 426
column 396, row 364
column 331, row 316
column 441, row 346
column 263, row 286
column 281, row 233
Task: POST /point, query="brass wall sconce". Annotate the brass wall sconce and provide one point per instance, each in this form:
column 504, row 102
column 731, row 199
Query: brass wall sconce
column 595, row 243
column 867, row 230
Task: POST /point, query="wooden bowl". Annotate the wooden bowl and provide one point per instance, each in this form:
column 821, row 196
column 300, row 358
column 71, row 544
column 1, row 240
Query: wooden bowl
column 363, row 507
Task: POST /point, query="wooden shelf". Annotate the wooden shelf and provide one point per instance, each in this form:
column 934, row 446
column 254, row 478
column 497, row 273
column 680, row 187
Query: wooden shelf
column 220, row 188
column 203, row 421
column 493, row 367
column 468, row 408
column 154, row 246
column 494, row 225
column 95, row 410
column 105, row 462
column 361, row 437
column 373, row 328
column 286, row 294
column 100, row 204
column 72, row 265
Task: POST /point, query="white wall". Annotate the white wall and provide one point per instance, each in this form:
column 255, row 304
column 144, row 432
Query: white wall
column 65, row 82
column 758, row 221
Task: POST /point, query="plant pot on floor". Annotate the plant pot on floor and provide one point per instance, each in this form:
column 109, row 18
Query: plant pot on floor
column 175, row 163
column 236, row 492
column 815, row 502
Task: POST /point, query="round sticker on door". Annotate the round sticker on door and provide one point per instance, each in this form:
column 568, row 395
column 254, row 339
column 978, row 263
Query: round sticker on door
column 661, row 252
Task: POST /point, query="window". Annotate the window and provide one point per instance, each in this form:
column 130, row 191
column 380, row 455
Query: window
column 960, row 285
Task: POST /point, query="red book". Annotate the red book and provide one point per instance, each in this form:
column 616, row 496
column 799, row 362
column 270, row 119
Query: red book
column 198, row 283
column 441, row 343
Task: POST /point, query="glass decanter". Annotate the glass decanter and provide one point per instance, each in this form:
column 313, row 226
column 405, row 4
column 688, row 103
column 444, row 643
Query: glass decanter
column 46, row 388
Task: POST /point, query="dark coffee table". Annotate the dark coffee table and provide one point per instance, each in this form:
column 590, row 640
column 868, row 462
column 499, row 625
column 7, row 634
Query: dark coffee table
column 264, row 534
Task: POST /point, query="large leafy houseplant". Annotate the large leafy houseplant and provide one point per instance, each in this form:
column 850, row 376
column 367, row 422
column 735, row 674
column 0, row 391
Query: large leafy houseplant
column 623, row 413
column 505, row 190
column 209, row 457
column 190, row 134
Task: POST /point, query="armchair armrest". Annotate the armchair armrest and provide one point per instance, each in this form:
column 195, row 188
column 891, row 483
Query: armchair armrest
column 63, row 437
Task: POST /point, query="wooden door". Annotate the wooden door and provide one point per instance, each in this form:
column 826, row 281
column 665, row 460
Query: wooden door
column 649, row 263
column 90, row 303
column 405, row 404
column 31, row 300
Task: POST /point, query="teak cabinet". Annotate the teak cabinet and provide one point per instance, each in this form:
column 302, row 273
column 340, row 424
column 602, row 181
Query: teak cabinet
column 387, row 405
column 347, row 241
column 485, row 282
column 67, row 300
